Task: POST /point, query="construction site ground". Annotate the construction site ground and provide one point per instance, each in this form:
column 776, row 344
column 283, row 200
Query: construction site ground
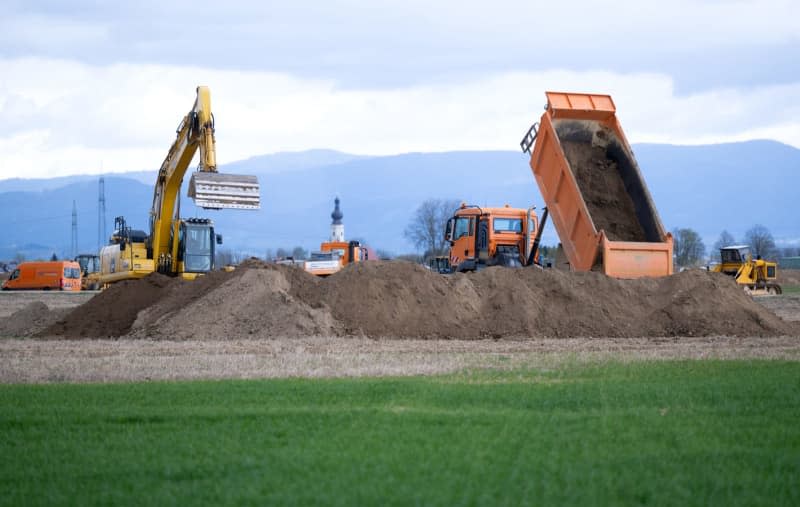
column 268, row 321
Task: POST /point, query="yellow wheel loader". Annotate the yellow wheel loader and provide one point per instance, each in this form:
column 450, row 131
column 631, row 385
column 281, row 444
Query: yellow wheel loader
column 757, row 276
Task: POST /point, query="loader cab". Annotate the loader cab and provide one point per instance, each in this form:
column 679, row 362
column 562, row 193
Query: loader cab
column 732, row 258
column 734, row 254
column 196, row 245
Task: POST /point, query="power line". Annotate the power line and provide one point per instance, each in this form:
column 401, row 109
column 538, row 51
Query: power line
column 101, row 213
column 74, row 246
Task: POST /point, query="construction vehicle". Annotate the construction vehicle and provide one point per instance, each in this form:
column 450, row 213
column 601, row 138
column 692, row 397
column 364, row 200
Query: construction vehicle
column 45, row 275
column 440, row 264
column 90, row 271
column 176, row 246
column 612, row 227
column 756, row 276
column 481, row 237
column 333, row 256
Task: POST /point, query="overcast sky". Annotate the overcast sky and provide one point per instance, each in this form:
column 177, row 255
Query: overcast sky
column 90, row 86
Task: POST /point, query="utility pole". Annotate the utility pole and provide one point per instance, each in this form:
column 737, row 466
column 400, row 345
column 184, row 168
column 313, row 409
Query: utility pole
column 74, row 247
column 101, row 214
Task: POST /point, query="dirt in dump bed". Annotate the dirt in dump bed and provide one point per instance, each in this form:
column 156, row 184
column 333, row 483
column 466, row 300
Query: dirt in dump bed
column 404, row 300
column 601, row 185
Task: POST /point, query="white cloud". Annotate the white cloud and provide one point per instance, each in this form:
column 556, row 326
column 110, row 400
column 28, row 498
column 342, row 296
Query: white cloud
column 64, row 117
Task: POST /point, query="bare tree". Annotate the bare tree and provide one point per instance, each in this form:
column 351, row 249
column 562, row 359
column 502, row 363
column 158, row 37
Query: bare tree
column 299, row 253
column 761, row 242
column 725, row 239
column 281, row 253
column 688, row 247
column 426, row 228
column 384, row 255
column 223, row 257
column 269, row 255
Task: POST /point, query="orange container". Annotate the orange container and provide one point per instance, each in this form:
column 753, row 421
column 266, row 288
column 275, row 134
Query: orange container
column 635, row 244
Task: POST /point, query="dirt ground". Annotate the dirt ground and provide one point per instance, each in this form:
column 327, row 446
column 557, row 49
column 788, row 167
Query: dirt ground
column 143, row 358
column 126, row 360
column 12, row 301
column 786, row 306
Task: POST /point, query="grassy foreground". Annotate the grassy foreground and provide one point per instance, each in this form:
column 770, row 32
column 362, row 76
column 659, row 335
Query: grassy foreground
column 680, row 433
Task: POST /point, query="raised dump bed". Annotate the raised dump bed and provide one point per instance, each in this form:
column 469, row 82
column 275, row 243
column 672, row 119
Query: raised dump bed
column 594, row 190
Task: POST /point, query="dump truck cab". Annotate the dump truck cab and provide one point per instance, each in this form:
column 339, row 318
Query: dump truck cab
column 481, row 237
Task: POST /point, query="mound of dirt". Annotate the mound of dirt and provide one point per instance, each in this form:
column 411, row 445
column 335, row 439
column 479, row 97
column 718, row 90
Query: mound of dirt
column 112, row 312
column 30, row 320
column 404, row 300
column 251, row 303
column 610, row 205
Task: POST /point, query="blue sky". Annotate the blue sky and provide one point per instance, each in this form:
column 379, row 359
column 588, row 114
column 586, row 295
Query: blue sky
column 90, row 86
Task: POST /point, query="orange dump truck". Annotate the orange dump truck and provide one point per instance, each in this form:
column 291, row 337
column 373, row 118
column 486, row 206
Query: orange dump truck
column 594, row 190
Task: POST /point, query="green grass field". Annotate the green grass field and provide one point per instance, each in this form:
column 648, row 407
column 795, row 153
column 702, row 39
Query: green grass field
column 678, row 433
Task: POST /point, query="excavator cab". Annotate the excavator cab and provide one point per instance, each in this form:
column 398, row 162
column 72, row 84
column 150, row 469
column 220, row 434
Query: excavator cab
column 196, row 242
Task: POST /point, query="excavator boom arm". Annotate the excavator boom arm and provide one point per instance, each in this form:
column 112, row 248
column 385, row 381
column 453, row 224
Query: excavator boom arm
column 208, row 188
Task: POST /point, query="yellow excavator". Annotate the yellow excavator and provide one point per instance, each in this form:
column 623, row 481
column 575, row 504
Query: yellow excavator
column 756, row 276
column 176, row 246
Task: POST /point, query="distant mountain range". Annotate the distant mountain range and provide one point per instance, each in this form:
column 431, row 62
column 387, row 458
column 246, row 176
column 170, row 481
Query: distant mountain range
column 708, row 188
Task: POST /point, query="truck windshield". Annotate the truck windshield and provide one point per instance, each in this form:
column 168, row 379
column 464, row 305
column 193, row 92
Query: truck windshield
column 508, row 225
column 462, row 227
column 73, row 273
column 198, row 252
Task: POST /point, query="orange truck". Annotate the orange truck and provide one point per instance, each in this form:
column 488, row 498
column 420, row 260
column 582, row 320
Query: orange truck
column 481, row 237
column 333, row 256
column 51, row 275
column 593, row 188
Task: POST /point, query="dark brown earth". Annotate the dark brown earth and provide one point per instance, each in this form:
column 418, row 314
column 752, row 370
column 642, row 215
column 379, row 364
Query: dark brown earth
column 610, row 205
column 404, row 300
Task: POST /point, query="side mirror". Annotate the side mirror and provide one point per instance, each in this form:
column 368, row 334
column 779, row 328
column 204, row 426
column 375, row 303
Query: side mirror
column 448, row 232
column 219, row 239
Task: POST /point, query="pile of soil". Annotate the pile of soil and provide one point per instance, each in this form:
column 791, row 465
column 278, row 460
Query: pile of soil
column 600, row 182
column 404, row 300
column 30, row 320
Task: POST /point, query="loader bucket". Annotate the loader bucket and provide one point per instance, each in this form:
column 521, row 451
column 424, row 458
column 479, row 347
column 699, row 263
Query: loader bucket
column 213, row 190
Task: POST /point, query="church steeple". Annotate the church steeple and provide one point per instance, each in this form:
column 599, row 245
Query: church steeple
column 337, row 227
column 337, row 213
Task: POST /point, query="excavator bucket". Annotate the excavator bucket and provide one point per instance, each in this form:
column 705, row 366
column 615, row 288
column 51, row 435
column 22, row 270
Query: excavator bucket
column 211, row 190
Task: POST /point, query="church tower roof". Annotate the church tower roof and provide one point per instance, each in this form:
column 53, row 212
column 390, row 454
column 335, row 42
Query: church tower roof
column 337, row 214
